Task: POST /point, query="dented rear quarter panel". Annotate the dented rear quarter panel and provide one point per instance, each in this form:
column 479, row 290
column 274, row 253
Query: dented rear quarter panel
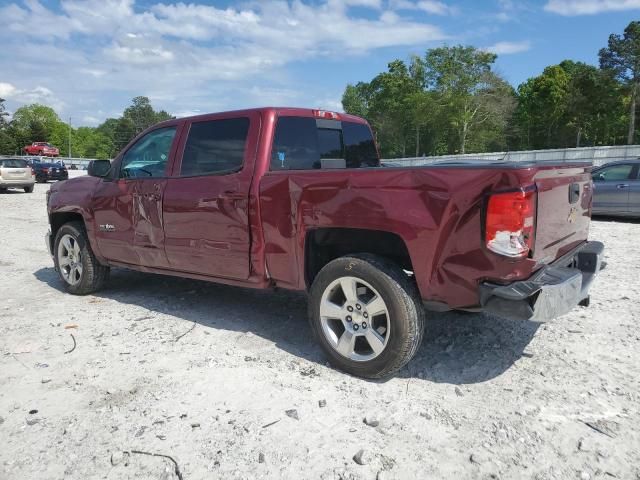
column 437, row 211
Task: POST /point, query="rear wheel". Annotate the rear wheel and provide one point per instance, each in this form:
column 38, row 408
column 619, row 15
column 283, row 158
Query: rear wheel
column 28, row 189
column 76, row 264
column 367, row 315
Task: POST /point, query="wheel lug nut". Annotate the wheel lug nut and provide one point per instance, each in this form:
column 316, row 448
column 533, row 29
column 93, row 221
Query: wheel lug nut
column 364, row 324
column 358, row 306
column 348, row 318
column 356, row 326
column 350, row 308
column 365, row 315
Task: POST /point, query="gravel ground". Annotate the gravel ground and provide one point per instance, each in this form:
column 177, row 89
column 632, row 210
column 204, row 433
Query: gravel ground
column 229, row 383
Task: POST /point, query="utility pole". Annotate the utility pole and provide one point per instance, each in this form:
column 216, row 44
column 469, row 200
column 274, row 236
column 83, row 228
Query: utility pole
column 69, row 138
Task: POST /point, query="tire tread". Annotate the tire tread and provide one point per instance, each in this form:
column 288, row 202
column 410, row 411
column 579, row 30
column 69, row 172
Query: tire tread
column 95, row 274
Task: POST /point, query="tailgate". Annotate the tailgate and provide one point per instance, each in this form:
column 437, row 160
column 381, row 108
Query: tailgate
column 564, row 210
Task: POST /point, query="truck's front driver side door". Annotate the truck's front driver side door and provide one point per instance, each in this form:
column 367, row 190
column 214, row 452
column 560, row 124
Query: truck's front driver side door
column 128, row 207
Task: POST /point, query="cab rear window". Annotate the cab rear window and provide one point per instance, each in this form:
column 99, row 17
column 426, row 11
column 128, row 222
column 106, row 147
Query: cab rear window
column 13, row 163
column 305, row 143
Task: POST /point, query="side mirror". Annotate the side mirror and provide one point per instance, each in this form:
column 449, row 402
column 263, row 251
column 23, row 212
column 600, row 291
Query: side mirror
column 99, row 168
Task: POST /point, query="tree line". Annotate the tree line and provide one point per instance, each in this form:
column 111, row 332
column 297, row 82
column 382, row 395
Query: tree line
column 40, row 123
column 452, row 101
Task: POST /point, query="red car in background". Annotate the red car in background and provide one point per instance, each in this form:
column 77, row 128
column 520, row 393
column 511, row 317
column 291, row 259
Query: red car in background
column 42, row 148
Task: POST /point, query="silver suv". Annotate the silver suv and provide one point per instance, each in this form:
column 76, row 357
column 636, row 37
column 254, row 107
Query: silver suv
column 16, row 173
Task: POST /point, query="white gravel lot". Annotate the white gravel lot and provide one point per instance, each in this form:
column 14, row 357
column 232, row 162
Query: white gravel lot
column 484, row 397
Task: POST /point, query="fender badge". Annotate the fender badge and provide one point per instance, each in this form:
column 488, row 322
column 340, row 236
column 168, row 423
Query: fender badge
column 107, row 227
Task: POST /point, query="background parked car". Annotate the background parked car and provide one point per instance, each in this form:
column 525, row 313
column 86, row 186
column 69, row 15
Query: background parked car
column 45, row 171
column 16, row 173
column 616, row 188
column 41, row 148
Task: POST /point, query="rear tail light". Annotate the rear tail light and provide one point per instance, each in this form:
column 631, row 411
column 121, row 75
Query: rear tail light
column 45, row 170
column 510, row 223
column 33, row 172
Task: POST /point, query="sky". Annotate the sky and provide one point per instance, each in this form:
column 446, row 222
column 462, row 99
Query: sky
column 88, row 58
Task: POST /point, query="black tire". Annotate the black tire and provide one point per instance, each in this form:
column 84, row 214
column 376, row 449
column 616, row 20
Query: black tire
column 406, row 313
column 28, row 189
column 94, row 274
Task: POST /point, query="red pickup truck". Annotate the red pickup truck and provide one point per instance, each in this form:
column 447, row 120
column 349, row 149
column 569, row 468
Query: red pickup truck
column 298, row 199
column 41, row 148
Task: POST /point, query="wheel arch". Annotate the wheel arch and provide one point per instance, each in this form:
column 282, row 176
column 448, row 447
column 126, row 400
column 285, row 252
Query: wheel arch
column 323, row 245
column 58, row 219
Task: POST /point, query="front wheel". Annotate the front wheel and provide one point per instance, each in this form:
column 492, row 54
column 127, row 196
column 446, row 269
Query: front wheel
column 75, row 262
column 366, row 314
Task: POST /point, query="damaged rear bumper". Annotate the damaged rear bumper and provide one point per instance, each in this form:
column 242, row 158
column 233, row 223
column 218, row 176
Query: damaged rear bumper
column 551, row 292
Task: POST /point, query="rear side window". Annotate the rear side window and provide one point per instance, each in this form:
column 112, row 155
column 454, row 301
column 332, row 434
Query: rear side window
column 13, row 163
column 360, row 149
column 305, row 143
column 215, row 147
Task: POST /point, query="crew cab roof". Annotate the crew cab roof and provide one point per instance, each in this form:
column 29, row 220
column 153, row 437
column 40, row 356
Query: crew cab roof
column 278, row 111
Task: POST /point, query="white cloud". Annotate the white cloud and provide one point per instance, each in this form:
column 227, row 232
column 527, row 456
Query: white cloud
column 590, row 7
column 434, row 7
column 188, row 56
column 506, row 48
column 38, row 94
column 6, row 90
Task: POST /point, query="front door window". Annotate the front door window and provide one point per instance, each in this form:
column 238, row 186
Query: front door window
column 149, row 156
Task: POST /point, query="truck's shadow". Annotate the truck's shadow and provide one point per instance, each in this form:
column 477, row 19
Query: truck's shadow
column 458, row 347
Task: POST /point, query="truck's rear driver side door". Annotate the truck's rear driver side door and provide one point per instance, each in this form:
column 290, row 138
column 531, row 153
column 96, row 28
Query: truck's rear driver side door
column 206, row 214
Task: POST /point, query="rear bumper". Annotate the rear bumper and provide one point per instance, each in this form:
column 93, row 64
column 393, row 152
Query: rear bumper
column 551, row 292
column 21, row 183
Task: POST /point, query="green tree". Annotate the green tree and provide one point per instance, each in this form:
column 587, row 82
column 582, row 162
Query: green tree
column 440, row 103
column 622, row 57
column 7, row 142
column 142, row 115
column 570, row 104
column 543, row 103
column 35, row 122
column 462, row 77
column 356, row 99
column 3, row 114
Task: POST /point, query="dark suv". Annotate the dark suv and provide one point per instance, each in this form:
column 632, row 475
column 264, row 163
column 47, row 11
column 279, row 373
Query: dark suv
column 49, row 171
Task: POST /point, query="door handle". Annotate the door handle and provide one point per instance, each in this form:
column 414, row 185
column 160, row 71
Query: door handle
column 622, row 185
